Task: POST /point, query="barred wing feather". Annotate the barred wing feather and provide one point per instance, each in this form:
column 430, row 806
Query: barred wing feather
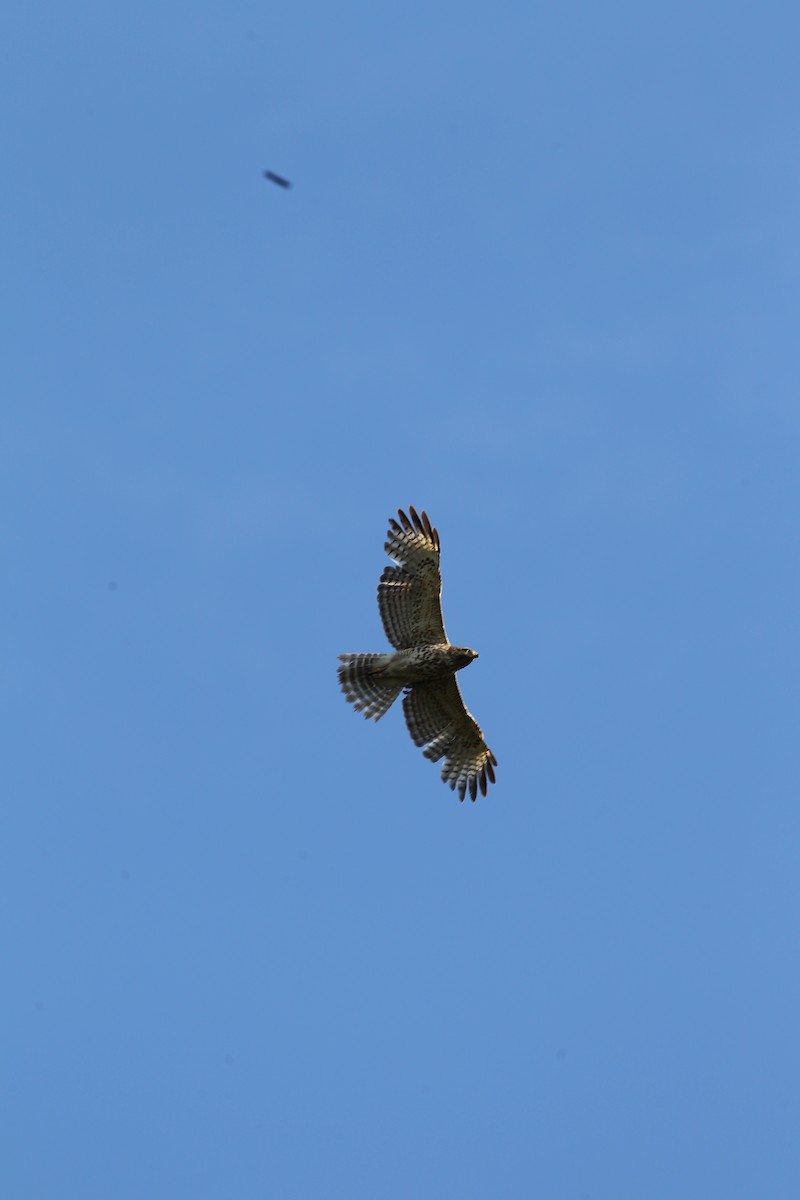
column 409, row 594
column 438, row 721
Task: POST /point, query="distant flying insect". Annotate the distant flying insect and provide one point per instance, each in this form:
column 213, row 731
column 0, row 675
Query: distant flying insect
column 273, row 178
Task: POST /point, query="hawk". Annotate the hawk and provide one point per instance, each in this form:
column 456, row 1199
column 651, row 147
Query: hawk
column 425, row 663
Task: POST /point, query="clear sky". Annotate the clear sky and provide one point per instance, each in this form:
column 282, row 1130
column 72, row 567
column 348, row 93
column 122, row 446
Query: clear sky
column 538, row 275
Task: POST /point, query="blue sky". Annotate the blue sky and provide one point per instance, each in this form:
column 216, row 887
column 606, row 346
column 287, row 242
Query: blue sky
column 537, row 274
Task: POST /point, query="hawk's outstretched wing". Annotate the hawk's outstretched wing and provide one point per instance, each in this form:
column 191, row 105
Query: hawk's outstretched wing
column 409, row 594
column 438, row 720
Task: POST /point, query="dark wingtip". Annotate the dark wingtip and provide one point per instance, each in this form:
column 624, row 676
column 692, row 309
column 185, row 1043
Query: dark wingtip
column 419, row 522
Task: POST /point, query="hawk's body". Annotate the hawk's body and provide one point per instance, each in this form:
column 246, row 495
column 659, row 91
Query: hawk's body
column 425, row 663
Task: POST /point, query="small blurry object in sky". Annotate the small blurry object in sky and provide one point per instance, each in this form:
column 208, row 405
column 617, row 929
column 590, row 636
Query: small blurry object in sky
column 273, row 178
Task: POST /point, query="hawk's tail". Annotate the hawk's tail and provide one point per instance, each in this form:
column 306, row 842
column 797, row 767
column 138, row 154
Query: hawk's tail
column 360, row 677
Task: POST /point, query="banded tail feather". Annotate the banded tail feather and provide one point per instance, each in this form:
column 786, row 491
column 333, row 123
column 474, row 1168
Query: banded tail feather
column 361, row 682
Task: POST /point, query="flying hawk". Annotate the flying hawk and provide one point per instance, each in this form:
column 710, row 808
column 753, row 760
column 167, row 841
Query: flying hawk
column 425, row 663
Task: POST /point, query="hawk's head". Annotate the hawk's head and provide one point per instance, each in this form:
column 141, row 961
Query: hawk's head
column 463, row 656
